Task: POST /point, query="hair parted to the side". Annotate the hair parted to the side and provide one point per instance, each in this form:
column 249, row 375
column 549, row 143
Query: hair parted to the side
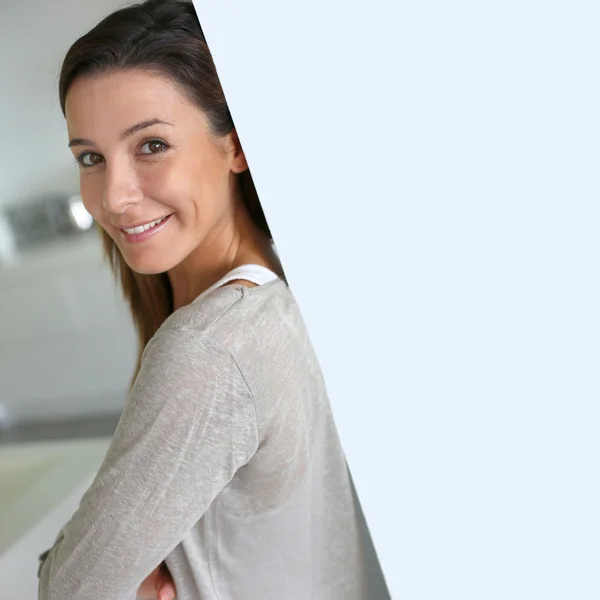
column 162, row 36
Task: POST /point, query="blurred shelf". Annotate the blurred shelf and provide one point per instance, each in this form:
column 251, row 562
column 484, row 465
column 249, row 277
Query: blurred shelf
column 60, row 430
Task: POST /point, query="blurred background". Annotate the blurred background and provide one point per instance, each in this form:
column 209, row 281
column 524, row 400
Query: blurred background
column 66, row 342
column 67, row 345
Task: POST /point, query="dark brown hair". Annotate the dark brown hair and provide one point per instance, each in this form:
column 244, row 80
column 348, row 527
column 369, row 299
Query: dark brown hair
column 165, row 37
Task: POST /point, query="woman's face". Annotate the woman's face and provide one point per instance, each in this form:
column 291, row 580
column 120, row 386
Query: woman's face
column 151, row 173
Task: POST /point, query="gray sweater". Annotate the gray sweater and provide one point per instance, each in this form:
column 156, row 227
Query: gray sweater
column 226, row 464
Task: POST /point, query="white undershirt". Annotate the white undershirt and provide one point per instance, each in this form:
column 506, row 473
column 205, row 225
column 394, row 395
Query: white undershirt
column 256, row 274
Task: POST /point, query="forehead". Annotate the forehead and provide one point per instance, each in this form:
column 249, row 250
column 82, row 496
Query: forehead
column 119, row 99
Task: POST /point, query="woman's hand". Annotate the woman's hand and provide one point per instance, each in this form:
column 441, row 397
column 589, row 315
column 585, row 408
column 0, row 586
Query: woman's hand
column 159, row 585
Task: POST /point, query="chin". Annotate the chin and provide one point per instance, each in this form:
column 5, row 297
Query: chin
column 148, row 265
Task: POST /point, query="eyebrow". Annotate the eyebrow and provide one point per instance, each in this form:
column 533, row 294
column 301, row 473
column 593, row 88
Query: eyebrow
column 125, row 134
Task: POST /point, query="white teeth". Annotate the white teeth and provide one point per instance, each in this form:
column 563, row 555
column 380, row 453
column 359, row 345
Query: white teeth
column 142, row 228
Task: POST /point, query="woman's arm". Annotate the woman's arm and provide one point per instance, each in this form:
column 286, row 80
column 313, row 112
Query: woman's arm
column 157, row 585
column 188, row 425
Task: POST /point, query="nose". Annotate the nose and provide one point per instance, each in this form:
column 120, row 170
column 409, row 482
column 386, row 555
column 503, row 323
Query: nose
column 121, row 189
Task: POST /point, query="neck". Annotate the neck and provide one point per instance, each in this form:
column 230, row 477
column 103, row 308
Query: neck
column 236, row 244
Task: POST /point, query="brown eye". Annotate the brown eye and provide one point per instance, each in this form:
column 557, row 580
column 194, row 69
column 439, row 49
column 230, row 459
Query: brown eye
column 90, row 159
column 153, row 147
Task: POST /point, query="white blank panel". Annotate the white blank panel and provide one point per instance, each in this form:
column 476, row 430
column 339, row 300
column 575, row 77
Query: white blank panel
column 429, row 171
column 67, row 342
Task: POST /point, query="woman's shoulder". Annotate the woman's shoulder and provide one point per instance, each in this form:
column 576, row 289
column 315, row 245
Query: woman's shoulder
column 259, row 330
column 236, row 311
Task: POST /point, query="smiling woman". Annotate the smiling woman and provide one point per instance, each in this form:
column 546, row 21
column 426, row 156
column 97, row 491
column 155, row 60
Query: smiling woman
column 225, row 478
column 135, row 172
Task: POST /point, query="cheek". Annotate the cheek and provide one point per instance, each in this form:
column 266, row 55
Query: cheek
column 169, row 184
column 155, row 178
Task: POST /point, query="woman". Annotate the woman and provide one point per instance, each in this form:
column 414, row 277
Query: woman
column 225, row 474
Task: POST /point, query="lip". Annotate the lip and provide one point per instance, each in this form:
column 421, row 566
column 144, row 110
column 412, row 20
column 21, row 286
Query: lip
column 140, row 223
column 134, row 238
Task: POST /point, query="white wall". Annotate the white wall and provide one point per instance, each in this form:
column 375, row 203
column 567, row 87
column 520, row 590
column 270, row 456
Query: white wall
column 34, row 38
column 430, row 171
column 67, row 343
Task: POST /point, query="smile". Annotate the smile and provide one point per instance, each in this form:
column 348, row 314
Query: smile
column 142, row 228
column 142, row 232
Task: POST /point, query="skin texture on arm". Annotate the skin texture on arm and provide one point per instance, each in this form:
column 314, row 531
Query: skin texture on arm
column 188, row 425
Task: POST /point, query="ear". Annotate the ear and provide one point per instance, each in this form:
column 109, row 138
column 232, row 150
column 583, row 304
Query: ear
column 238, row 158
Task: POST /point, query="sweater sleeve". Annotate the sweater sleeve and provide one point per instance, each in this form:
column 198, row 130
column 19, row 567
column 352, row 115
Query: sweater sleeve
column 188, row 425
